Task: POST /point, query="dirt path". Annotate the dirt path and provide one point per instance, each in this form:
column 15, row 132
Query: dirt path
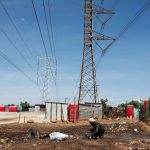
column 111, row 140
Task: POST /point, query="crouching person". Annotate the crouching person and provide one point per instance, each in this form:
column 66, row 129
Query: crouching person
column 97, row 130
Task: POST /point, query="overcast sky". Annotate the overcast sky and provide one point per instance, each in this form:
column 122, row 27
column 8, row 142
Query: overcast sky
column 122, row 75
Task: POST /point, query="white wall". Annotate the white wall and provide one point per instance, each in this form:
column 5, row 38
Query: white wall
column 56, row 111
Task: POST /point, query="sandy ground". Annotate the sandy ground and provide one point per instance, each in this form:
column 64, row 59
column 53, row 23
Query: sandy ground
column 112, row 140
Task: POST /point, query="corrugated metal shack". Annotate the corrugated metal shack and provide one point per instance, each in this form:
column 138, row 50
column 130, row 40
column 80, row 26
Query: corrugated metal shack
column 56, row 111
column 40, row 107
column 88, row 110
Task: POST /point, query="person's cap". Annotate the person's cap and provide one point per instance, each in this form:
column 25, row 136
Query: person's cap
column 91, row 120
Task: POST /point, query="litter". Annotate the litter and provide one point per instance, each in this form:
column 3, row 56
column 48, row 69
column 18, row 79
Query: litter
column 59, row 136
column 3, row 141
column 135, row 130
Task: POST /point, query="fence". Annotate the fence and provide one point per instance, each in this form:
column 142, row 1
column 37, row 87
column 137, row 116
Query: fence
column 21, row 117
column 90, row 110
column 56, row 111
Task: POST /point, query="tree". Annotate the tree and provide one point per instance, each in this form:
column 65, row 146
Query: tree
column 123, row 105
column 104, row 101
column 24, row 104
column 136, row 104
column 148, row 110
column 104, row 105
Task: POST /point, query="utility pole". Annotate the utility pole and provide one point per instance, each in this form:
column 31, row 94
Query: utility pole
column 88, row 85
column 45, row 76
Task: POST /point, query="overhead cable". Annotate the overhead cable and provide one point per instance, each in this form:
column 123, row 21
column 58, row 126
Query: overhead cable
column 126, row 27
column 37, row 20
column 4, row 56
column 17, row 30
column 13, row 44
column 47, row 27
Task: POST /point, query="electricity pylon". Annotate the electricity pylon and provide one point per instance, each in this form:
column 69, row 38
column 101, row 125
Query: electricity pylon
column 88, row 85
column 46, row 75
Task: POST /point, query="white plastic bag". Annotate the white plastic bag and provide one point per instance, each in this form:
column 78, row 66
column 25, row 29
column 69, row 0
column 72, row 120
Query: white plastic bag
column 58, row 136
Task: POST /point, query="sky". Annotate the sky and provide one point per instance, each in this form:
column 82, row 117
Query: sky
column 122, row 75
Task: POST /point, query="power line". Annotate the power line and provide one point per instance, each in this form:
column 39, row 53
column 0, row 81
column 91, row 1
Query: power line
column 47, row 27
column 126, row 27
column 4, row 56
column 52, row 38
column 110, row 16
column 37, row 20
column 18, row 32
column 51, row 26
column 54, row 60
column 13, row 44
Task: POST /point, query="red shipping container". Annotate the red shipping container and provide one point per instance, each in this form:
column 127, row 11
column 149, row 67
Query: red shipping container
column 2, row 108
column 12, row 109
column 145, row 104
column 130, row 111
column 73, row 111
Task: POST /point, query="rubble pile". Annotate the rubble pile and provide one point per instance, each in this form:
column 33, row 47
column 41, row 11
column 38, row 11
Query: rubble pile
column 114, row 112
column 123, row 128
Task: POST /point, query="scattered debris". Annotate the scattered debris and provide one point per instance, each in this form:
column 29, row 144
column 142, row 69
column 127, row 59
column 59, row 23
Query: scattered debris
column 124, row 122
column 121, row 146
column 33, row 133
column 136, row 130
column 44, row 136
column 137, row 144
column 59, row 136
column 88, row 135
column 3, row 141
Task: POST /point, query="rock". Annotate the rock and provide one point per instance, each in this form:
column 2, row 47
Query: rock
column 53, row 121
column 137, row 144
column 30, row 121
column 34, row 145
column 118, row 118
column 136, row 130
column 121, row 146
column 33, row 133
column 3, row 141
column 145, row 128
column 124, row 122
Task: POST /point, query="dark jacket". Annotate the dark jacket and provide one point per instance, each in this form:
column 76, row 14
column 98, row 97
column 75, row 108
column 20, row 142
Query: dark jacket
column 98, row 130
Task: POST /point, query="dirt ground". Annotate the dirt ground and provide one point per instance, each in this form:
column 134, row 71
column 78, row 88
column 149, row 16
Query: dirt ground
column 123, row 139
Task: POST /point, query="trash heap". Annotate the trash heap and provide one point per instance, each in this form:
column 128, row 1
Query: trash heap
column 123, row 127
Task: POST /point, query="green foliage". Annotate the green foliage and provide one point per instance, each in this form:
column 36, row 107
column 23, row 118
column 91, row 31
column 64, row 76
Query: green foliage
column 104, row 101
column 148, row 110
column 136, row 104
column 24, row 104
column 11, row 104
column 123, row 105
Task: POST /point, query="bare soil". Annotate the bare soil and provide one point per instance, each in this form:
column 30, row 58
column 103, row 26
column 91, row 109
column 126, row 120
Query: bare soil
column 17, row 137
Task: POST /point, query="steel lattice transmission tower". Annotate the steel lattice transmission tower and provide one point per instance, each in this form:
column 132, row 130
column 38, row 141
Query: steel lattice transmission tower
column 46, row 75
column 88, row 85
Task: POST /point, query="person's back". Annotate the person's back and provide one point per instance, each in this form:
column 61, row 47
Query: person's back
column 97, row 129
